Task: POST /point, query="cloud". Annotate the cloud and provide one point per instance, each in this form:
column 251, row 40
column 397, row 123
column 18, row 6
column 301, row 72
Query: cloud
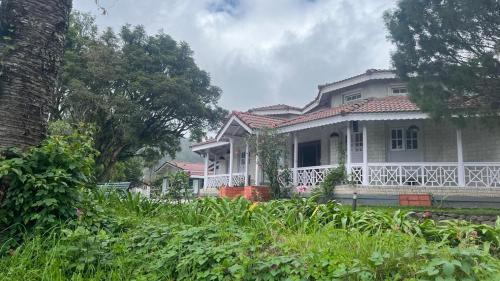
column 262, row 52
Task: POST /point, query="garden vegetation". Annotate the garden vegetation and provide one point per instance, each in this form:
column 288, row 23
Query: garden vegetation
column 56, row 226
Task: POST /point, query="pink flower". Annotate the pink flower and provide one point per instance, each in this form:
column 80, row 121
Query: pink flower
column 301, row 188
column 79, row 212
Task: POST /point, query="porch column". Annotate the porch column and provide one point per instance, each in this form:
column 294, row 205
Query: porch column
column 164, row 185
column 205, row 171
column 257, row 180
column 295, row 158
column 365, row 156
column 231, row 152
column 348, row 152
column 246, row 164
column 460, row 159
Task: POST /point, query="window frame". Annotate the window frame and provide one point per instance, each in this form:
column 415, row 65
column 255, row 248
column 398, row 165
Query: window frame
column 242, row 161
column 399, row 88
column 346, row 96
column 357, row 144
column 402, row 139
column 408, row 130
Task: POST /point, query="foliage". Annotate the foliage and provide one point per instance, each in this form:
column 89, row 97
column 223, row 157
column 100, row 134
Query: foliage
column 128, row 170
column 333, row 178
column 178, row 186
column 270, row 146
column 449, row 52
column 143, row 92
column 44, row 183
column 220, row 239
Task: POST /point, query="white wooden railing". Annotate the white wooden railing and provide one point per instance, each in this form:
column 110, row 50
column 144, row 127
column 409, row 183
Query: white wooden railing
column 434, row 174
column 311, row 176
column 216, row 181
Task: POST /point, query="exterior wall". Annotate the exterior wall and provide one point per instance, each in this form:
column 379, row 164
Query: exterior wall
column 440, row 142
column 376, row 136
column 481, row 143
column 374, row 89
column 322, row 134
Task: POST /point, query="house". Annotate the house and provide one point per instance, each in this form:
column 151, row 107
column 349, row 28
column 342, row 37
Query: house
column 195, row 171
column 389, row 146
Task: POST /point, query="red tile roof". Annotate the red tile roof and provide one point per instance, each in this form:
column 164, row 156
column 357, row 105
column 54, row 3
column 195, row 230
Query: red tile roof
column 195, row 169
column 371, row 105
column 258, row 121
column 274, row 107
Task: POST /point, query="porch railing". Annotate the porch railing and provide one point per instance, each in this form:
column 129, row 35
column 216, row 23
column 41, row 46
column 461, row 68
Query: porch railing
column 434, row 174
column 215, row 181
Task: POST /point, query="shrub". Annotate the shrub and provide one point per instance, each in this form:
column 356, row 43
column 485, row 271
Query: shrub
column 334, row 177
column 44, row 183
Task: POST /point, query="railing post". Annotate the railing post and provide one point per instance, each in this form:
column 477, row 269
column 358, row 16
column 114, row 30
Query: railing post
column 231, row 152
column 295, row 159
column 365, row 156
column 246, row 164
column 348, row 152
column 205, row 171
column 257, row 180
column 460, row 159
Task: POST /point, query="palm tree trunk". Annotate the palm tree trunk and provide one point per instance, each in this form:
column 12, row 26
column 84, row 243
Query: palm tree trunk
column 32, row 35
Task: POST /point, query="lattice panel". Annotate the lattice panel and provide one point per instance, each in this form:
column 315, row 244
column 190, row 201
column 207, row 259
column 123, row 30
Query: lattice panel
column 418, row 175
column 384, row 175
column 217, row 181
column 442, row 175
column 311, row 177
column 238, row 180
column 357, row 175
column 482, row 175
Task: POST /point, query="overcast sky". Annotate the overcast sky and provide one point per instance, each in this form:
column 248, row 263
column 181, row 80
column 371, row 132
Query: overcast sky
column 263, row 52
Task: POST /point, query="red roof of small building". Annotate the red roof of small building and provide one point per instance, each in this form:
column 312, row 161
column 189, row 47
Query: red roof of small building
column 194, row 169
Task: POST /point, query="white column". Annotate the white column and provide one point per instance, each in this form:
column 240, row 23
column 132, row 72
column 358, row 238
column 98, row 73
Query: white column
column 460, row 159
column 348, row 152
column 164, row 185
column 257, row 180
column 205, row 172
column 231, row 152
column 365, row 156
column 295, row 158
column 246, row 164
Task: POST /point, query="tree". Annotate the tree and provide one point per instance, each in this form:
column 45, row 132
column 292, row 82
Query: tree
column 271, row 149
column 449, row 53
column 142, row 92
column 32, row 35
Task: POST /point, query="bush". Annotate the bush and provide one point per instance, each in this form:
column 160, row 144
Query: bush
column 334, row 177
column 44, row 183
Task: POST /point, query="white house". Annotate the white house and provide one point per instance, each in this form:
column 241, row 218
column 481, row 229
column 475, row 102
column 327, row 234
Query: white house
column 389, row 145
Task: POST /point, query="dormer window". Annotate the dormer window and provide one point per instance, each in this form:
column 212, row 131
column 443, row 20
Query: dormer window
column 352, row 97
column 399, row 91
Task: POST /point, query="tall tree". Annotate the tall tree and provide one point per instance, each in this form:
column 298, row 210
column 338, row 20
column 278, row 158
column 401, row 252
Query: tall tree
column 142, row 92
column 32, row 34
column 449, row 51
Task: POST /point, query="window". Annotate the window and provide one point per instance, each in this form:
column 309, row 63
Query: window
column 412, row 138
column 399, row 91
column 352, row 97
column 406, row 141
column 242, row 161
column 358, row 141
column 397, row 139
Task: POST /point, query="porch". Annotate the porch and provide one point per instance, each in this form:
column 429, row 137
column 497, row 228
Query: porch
column 376, row 153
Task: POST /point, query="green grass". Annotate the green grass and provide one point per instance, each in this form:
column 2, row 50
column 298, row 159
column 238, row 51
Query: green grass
column 464, row 211
column 213, row 239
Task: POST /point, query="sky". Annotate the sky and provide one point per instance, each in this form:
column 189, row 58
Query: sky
column 263, row 52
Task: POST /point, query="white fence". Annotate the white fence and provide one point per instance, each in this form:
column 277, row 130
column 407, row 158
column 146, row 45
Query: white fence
column 416, row 174
column 215, row 181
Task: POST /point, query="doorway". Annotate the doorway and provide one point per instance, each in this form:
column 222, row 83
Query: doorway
column 309, row 154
